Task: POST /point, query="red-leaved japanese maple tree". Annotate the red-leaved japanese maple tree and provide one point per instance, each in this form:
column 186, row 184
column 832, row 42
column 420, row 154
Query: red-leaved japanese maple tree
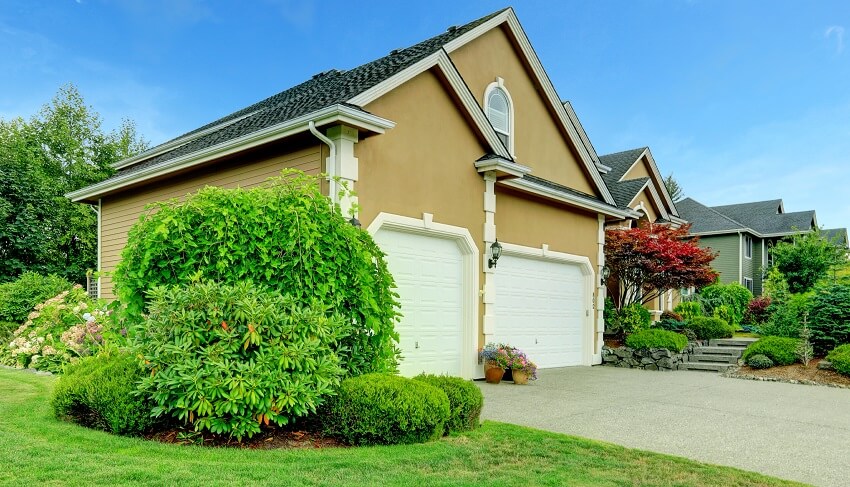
column 647, row 261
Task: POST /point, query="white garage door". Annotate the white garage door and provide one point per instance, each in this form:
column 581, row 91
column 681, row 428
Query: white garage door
column 541, row 308
column 428, row 273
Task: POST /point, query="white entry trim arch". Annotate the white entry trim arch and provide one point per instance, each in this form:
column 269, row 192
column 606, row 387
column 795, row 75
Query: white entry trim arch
column 543, row 253
column 427, row 226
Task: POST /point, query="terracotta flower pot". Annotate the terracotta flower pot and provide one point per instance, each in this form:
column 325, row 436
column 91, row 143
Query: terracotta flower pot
column 520, row 377
column 493, row 375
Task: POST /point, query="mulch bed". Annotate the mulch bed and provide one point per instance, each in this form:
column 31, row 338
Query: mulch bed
column 795, row 374
column 271, row 438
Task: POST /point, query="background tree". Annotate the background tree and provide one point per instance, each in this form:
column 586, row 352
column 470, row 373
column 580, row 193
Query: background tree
column 646, row 261
column 673, row 189
column 61, row 149
column 807, row 258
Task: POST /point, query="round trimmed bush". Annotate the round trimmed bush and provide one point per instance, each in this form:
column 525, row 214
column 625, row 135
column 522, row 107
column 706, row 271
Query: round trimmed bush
column 782, row 350
column 709, row 327
column 385, row 409
column 657, row 338
column 840, row 359
column 283, row 235
column 100, row 392
column 760, row 361
column 230, row 359
column 465, row 401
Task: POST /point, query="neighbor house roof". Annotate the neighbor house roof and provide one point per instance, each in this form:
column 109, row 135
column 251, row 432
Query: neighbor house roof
column 837, row 235
column 761, row 218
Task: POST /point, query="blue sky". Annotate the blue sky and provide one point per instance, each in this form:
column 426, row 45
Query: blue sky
column 741, row 100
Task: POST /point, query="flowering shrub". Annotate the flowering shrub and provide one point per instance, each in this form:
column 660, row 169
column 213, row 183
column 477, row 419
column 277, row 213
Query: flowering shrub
column 496, row 354
column 758, row 311
column 59, row 331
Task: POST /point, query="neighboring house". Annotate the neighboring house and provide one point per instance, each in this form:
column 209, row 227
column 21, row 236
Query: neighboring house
column 743, row 234
column 636, row 184
column 450, row 144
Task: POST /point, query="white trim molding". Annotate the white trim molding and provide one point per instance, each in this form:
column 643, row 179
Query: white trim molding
column 563, row 197
column 601, row 291
column 543, row 253
column 426, row 226
column 333, row 114
column 503, row 168
column 499, row 85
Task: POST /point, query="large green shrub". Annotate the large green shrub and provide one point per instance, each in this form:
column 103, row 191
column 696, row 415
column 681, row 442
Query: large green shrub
column 786, row 316
column 840, row 358
column 633, row 318
column 465, row 401
column 829, row 318
column 230, row 358
column 100, row 392
column 782, row 350
column 726, row 301
column 689, row 310
column 19, row 297
column 387, row 409
column 657, row 338
column 284, row 236
column 60, row 330
column 708, row 327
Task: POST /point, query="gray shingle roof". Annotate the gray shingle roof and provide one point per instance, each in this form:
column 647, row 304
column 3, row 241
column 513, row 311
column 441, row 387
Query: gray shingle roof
column 704, row 219
column 741, row 211
column 326, row 89
column 619, row 162
column 625, row 191
column 837, row 235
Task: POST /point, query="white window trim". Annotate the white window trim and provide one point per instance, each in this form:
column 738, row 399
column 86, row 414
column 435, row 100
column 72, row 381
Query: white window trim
column 752, row 284
column 500, row 84
column 748, row 247
column 469, row 250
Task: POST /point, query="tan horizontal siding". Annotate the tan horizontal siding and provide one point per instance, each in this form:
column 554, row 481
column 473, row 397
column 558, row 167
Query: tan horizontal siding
column 120, row 212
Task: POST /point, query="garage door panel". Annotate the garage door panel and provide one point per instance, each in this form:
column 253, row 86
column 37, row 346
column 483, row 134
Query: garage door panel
column 428, row 275
column 541, row 308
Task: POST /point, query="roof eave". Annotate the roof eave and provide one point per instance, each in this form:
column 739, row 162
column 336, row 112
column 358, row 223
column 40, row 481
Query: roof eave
column 553, row 194
column 332, row 114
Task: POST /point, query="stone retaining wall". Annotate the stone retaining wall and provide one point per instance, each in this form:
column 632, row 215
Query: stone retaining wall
column 649, row 359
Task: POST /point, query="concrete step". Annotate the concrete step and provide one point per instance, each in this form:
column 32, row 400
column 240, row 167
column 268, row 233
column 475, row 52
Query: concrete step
column 731, row 342
column 708, row 367
column 729, row 351
column 714, row 358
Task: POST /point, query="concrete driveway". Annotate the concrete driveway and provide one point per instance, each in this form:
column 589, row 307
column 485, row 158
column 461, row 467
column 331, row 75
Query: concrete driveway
column 791, row 431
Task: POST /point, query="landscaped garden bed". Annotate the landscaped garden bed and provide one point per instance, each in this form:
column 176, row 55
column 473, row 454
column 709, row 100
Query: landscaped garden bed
column 794, row 373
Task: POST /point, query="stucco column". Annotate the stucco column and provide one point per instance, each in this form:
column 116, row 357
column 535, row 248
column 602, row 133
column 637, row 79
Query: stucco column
column 489, row 292
column 345, row 166
column 600, row 291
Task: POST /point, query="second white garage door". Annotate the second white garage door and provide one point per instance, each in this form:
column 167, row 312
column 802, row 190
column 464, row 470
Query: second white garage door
column 541, row 308
column 428, row 275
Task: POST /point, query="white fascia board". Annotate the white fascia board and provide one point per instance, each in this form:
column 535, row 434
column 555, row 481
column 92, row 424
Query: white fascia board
column 163, row 148
column 571, row 113
column 502, row 166
column 553, row 194
column 439, row 59
column 654, row 167
column 655, row 198
column 335, row 113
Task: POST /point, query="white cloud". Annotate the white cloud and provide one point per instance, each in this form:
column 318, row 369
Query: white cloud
column 838, row 32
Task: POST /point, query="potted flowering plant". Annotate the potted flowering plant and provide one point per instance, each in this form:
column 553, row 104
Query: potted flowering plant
column 522, row 368
column 496, row 357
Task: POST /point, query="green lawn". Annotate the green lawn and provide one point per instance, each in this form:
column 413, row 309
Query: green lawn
column 35, row 448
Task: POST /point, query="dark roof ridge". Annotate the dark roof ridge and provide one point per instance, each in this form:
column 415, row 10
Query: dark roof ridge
column 742, row 226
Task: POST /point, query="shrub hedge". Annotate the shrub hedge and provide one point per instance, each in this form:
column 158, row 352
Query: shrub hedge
column 100, row 392
column 19, row 297
column 386, row 409
column 657, row 338
column 707, row 328
column 782, row 350
column 760, row 361
column 282, row 235
column 465, row 401
column 840, row 358
column 726, row 301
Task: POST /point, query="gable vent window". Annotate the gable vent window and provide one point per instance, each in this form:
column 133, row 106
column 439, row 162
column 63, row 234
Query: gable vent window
column 499, row 108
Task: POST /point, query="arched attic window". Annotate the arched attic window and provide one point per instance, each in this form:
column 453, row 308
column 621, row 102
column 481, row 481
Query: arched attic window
column 499, row 109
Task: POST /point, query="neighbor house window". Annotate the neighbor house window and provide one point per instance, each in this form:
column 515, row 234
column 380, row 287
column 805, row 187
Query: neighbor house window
column 748, row 246
column 748, row 283
column 499, row 110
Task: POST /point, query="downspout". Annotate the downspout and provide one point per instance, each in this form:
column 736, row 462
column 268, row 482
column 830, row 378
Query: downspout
column 331, row 166
column 740, row 258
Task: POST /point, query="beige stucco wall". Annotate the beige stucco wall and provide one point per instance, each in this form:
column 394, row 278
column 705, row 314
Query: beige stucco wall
column 539, row 143
column 652, row 211
column 639, row 170
column 121, row 211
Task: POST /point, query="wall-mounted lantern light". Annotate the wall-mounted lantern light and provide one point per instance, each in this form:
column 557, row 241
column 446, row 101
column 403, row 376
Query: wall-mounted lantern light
column 606, row 271
column 495, row 253
column 354, row 221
